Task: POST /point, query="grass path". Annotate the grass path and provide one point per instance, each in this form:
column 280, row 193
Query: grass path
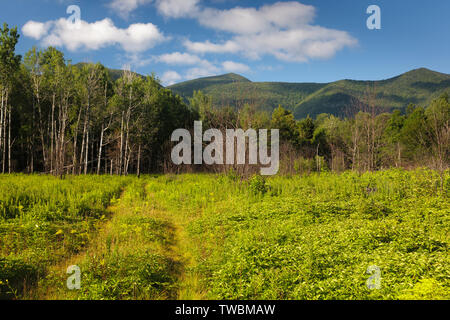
column 139, row 252
column 188, row 280
column 48, row 289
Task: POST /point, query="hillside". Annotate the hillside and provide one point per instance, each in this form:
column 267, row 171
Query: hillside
column 186, row 88
column 418, row 86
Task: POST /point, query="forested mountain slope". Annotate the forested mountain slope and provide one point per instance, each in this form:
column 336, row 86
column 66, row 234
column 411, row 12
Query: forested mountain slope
column 418, row 86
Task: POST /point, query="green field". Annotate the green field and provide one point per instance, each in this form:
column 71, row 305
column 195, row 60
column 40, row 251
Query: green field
column 221, row 237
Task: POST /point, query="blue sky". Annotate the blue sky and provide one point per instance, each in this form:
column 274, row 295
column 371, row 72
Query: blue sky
column 292, row 41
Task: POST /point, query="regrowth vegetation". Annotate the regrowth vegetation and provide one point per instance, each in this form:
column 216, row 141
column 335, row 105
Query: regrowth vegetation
column 220, row 237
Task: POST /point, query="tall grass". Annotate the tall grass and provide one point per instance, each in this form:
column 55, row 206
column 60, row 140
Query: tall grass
column 220, row 237
column 314, row 237
column 44, row 220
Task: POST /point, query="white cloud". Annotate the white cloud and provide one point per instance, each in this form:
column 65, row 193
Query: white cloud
column 280, row 15
column 201, row 67
column 167, row 8
column 35, row 30
column 194, row 73
column 283, row 30
column 178, row 58
column 178, row 8
column 230, row 66
column 136, row 59
column 198, row 67
column 298, row 45
column 125, row 7
column 96, row 35
column 170, row 77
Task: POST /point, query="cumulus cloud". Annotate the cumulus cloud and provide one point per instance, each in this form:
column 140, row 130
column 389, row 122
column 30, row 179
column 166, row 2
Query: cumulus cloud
column 231, row 66
column 178, row 58
column 297, row 45
column 281, row 15
column 35, row 30
column 199, row 67
column 283, row 30
column 170, row 77
column 96, row 35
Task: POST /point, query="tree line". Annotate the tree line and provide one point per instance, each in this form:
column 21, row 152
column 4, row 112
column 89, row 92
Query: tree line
column 60, row 118
column 366, row 139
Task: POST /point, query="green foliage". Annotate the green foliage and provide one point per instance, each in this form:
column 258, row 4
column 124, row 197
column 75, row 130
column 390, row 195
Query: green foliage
column 44, row 220
column 426, row 289
column 141, row 275
column 283, row 120
column 55, row 108
column 233, row 175
column 9, row 61
column 297, row 237
column 302, row 165
column 306, row 129
column 136, row 261
column 315, row 237
column 202, row 105
column 16, row 276
column 394, row 127
column 257, row 185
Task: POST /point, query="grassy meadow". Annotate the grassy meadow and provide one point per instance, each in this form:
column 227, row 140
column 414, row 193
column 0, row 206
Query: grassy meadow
column 220, row 237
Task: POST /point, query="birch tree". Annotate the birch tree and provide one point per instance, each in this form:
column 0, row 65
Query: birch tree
column 9, row 64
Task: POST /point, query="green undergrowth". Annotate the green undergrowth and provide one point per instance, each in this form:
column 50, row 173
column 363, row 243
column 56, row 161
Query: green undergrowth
column 201, row 236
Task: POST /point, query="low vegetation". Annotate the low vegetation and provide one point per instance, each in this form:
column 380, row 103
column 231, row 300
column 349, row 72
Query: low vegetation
column 220, row 237
column 44, row 220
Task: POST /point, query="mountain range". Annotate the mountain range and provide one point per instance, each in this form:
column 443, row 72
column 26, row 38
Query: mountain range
column 419, row 87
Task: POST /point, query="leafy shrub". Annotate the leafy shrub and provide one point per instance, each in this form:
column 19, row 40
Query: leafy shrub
column 15, row 277
column 118, row 276
column 257, row 185
column 303, row 165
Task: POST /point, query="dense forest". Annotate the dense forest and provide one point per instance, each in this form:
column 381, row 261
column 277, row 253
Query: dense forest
column 61, row 118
